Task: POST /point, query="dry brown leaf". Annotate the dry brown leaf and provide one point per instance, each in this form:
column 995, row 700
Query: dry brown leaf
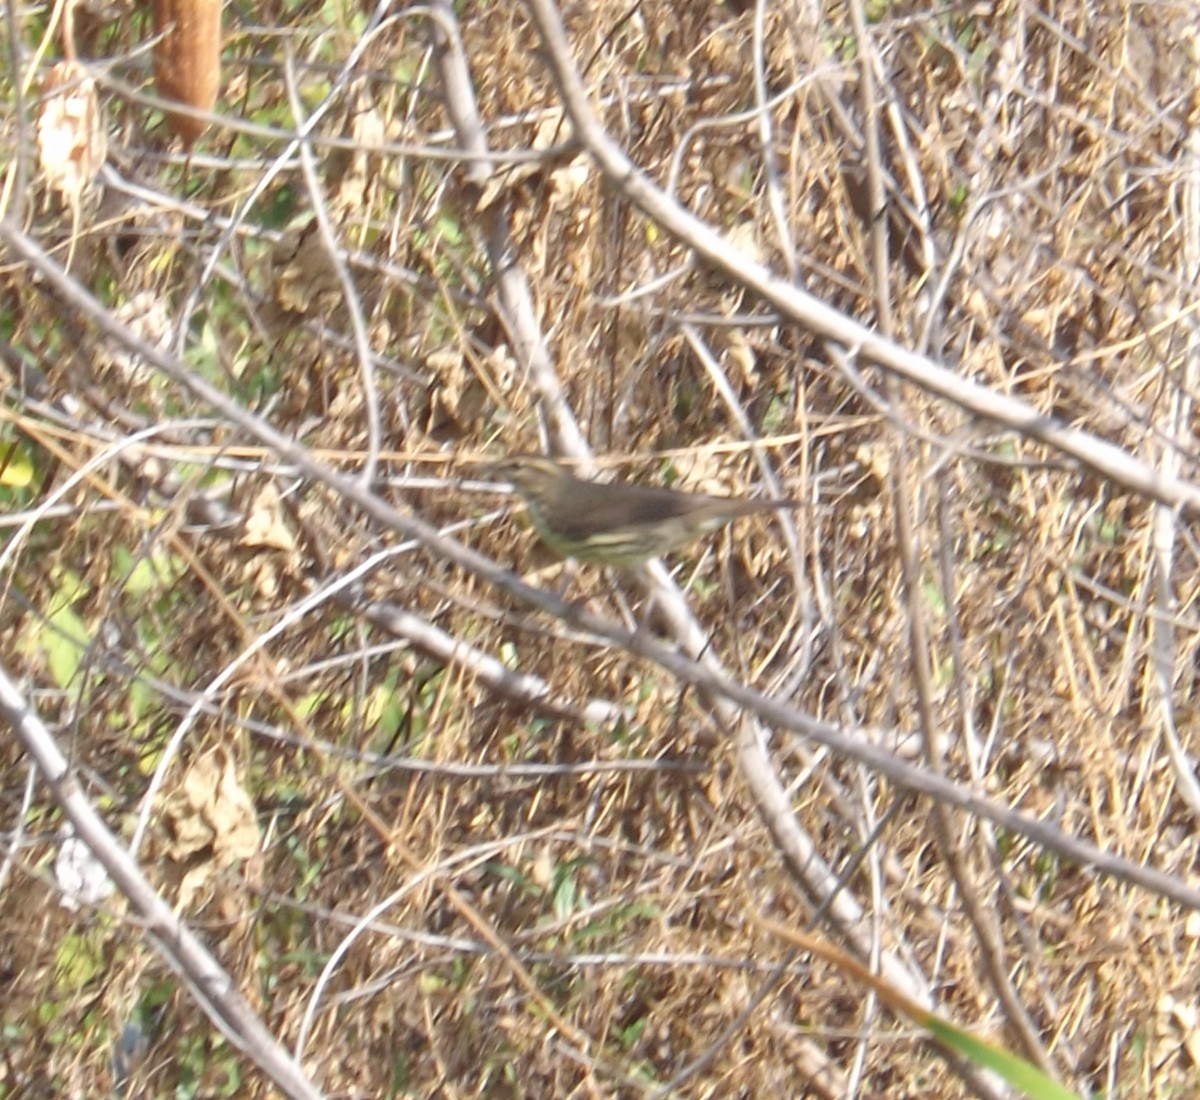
column 267, row 528
column 368, row 132
column 566, row 179
column 213, row 811
column 456, row 397
column 304, row 277
column 147, row 316
column 187, row 59
column 741, row 355
column 235, row 824
column 72, row 143
column 704, row 472
column 265, row 524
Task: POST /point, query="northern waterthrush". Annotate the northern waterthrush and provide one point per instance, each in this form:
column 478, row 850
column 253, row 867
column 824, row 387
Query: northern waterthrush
column 616, row 524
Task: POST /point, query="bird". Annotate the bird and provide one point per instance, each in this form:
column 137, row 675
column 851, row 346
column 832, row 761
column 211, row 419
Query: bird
column 616, row 523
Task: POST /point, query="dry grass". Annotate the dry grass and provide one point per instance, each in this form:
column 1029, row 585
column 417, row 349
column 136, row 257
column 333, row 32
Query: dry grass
column 1051, row 147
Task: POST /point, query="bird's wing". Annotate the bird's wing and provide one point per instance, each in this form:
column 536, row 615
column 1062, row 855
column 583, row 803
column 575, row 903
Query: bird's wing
column 600, row 509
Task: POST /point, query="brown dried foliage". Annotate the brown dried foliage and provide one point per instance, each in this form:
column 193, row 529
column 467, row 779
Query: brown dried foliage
column 187, row 60
column 1049, row 143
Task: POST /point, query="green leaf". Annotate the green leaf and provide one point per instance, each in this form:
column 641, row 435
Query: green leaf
column 16, row 465
column 1016, row 1071
column 63, row 642
column 79, row 960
